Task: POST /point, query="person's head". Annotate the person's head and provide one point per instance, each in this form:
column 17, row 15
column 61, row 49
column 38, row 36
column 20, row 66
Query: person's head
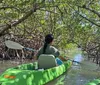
column 49, row 38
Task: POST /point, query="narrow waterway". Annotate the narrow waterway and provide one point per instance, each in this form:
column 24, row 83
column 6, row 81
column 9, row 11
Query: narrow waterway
column 78, row 74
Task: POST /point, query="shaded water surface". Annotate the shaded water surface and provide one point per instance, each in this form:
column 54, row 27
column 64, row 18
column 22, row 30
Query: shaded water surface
column 79, row 74
column 8, row 64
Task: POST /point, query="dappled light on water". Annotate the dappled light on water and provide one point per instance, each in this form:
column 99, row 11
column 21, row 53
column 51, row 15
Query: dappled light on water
column 79, row 74
column 78, row 58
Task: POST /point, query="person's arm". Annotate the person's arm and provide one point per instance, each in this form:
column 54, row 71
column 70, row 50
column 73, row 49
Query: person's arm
column 55, row 52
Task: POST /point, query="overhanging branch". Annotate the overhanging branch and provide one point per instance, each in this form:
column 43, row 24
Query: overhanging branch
column 89, row 20
column 9, row 7
column 92, row 10
column 8, row 26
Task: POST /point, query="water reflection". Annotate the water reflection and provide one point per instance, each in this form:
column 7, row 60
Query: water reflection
column 9, row 63
column 78, row 58
column 77, row 75
column 58, row 81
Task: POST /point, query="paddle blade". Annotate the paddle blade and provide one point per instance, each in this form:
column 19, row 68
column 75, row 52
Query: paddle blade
column 78, row 58
column 13, row 45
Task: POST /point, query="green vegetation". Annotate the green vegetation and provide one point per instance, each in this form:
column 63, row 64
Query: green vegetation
column 70, row 51
column 70, row 21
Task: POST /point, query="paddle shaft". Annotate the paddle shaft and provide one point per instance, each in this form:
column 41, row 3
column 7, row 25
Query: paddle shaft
column 74, row 61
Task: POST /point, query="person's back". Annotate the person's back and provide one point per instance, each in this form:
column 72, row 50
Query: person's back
column 47, row 48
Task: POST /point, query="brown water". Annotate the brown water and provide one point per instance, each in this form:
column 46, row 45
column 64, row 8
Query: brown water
column 78, row 74
column 9, row 63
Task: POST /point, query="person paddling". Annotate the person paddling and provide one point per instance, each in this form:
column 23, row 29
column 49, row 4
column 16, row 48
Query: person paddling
column 47, row 48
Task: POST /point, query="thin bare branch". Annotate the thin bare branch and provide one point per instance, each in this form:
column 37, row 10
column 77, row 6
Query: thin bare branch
column 10, row 25
column 89, row 20
column 92, row 10
column 48, row 11
column 9, row 7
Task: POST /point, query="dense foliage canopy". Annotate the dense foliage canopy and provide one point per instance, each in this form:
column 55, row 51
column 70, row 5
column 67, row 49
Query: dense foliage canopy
column 70, row 21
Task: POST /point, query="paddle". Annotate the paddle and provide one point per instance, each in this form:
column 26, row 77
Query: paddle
column 75, row 61
column 72, row 60
column 13, row 45
column 85, row 64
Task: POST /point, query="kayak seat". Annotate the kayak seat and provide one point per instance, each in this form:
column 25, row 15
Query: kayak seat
column 46, row 61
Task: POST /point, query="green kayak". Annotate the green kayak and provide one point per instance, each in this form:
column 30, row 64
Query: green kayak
column 94, row 82
column 26, row 74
